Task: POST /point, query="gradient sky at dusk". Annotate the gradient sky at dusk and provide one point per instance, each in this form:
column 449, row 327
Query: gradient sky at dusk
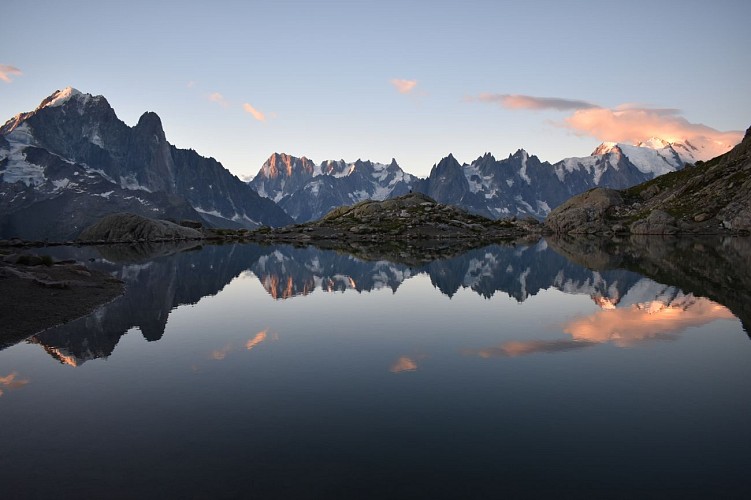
column 375, row 80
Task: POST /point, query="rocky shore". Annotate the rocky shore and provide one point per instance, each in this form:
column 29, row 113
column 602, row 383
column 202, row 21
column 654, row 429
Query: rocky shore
column 39, row 293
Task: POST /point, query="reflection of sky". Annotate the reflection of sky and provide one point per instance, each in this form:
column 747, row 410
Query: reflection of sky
column 653, row 320
column 11, row 381
column 624, row 327
column 403, row 364
column 355, row 376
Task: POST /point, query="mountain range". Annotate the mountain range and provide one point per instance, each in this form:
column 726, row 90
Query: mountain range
column 71, row 161
column 517, row 186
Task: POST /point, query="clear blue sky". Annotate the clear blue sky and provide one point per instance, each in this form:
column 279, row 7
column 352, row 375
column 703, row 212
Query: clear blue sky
column 322, row 74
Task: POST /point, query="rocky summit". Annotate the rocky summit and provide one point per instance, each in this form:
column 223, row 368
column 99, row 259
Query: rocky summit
column 707, row 198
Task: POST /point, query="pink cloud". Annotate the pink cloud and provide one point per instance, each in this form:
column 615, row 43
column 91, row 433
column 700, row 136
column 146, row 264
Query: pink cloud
column 404, row 86
column 219, row 99
column 627, row 123
column 517, row 101
column 6, row 72
column 632, row 124
column 253, row 111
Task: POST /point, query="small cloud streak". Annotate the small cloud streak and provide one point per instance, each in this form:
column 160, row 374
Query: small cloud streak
column 190, row 84
column 7, row 71
column 253, row 111
column 219, row 99
column 518, row 101
column 404, row 86
column 404, row 364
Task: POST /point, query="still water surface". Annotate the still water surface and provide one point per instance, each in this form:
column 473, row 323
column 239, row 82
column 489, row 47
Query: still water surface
column 252, row 371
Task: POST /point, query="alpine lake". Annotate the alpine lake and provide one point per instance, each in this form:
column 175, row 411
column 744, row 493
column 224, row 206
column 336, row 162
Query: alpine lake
column 555, row 368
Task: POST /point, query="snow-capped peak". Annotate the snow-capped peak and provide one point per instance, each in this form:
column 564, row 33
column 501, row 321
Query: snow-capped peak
column 689, row 151
column 604, row 148
column 60, row 97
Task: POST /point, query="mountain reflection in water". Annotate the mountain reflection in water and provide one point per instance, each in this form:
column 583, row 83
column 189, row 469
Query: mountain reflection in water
column 558, row 368
column 158, row 284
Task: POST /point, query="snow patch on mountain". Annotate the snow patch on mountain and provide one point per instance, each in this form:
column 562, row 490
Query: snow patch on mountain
column 131, row 183
column 523, row 170
column 62, row 96
column 652, row 161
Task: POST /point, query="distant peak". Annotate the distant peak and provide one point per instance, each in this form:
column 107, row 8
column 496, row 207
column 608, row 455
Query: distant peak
column 605, row 148
column 286, row 164
column 149, row 118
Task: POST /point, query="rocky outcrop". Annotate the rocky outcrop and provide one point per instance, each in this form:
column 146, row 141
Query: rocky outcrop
column 413, row 216
column 657, row 222
column 712, row 197
column 584, row 213
column 118, row 228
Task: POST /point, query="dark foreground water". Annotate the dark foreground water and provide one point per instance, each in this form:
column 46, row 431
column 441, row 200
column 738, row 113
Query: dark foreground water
column 276, row 372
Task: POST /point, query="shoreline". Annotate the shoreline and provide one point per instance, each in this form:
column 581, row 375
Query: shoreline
column 39, row 294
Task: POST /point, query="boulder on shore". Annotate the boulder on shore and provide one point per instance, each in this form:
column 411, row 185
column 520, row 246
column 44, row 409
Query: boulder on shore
column 584, row 213
column 127, row 227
